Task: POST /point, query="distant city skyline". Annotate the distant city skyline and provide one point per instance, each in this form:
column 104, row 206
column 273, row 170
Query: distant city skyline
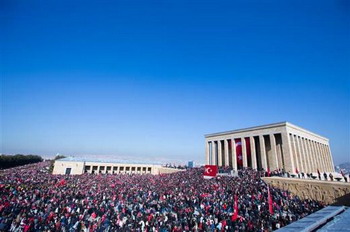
column 140, row 79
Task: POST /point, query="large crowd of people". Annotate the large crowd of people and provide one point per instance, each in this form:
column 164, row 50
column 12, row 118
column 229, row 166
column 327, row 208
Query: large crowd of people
column 32, row 199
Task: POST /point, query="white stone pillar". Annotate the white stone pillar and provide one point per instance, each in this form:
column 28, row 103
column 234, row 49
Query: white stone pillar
column 296, row 153
column 305, row 158
column 227, row 163
column 253, row 153
column 300, row 155
column 207, row 152
column 320, row 156
column 263, row 152
column 274, row 158
column 316, row 155
column 214, row 145
column 318, row 159
column 311, row 156
column 288, row 152
column 219, row 153
column 211, row 162
column 331, row 169
column 324, row 158
column 325, row 152
column 234, row 155
column 312, row 164
column 244, row 152
column 312, row 159
column 329, row 162
column 331, row 158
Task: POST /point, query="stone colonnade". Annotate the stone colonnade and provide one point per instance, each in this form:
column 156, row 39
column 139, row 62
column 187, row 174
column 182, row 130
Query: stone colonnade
column 272, row 151
column 96, row 168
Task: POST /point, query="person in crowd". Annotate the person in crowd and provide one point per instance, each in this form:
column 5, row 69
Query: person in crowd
column 331, row 176
column 32, row 199
column 325, row 176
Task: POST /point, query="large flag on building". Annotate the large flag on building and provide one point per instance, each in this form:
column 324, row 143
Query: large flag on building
column 239, row 152
column 210, row 171
column 269, row 200
column 249, row 152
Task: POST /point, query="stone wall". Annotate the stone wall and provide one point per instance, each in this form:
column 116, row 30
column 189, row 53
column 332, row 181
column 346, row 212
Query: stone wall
column 325, row 191
column 165, row 170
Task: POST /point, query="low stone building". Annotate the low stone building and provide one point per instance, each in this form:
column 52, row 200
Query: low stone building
column 78, row 166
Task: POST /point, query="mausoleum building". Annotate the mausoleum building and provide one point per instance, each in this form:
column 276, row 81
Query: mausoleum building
column 270, row 147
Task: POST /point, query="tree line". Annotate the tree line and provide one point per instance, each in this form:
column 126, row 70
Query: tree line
column 10, row 161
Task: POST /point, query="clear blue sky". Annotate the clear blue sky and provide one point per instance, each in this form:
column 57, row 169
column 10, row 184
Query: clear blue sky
column 150, row 78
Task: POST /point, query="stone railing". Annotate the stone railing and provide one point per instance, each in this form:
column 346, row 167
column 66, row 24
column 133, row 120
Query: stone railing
column 328, row 192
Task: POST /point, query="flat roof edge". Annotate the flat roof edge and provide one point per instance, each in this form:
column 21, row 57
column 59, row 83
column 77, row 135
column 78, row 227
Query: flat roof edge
column 72, row 159
column 266, row 126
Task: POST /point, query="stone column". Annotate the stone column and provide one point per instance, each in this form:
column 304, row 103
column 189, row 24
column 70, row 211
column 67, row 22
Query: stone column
column 274, row 159
column 317, row 160
column 307, row 153
column 234, row 155
column 321, row 157
column 296, row 153
column 325, row 162
column 326, row 157
column 331, row 157
column 213, row 147
column 311, row 157
column 305, row 158
column 263, row 152
column 287, row 152
column 219, row 153
column 310, row 154
column 301, row 155
column 244, row 152
column 253, row 153
column 227, row 163
column 319, row 165
column 207, row 152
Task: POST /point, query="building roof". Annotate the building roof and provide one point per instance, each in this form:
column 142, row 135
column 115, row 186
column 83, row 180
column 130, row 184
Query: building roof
column 119, row 161
column 331, row 218
column 248, row 129
column 266, row 126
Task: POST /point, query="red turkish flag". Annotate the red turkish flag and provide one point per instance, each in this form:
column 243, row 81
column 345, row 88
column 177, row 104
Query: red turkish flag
column 269, row 200
column 239, row 152
column 61, row 183
column 210, row 171
column 235, row 214
column 249, row 152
